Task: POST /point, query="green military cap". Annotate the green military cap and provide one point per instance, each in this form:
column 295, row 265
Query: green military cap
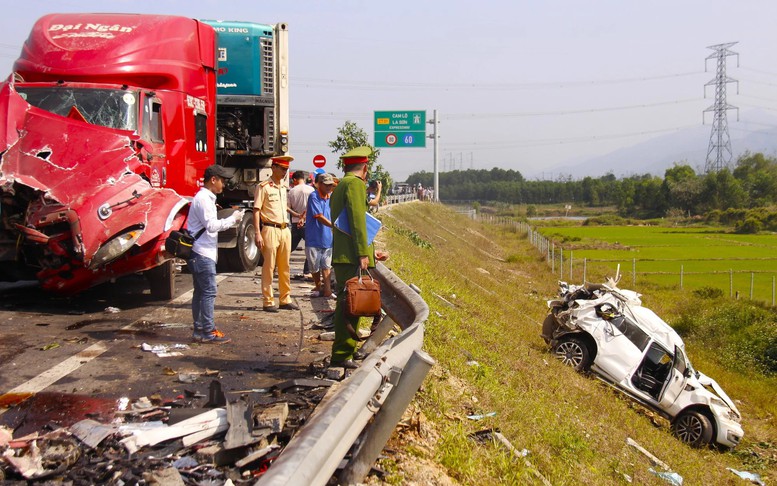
column 359, row 155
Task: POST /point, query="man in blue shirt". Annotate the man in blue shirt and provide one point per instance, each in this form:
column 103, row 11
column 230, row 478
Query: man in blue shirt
column 202, row 264
column 318, row 236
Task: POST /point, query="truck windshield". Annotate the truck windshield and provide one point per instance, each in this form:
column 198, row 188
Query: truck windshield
column 112, row 108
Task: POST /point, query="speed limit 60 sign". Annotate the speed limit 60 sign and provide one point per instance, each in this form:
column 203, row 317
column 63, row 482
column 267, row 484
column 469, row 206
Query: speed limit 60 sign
column 400, row 129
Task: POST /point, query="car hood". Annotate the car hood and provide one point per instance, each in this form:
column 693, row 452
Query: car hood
column 82, row 167
column 708, row 382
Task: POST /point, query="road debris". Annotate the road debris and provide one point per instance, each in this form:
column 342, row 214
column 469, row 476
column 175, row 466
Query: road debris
column 752, row 477
column 163, row 350
column 156, row 440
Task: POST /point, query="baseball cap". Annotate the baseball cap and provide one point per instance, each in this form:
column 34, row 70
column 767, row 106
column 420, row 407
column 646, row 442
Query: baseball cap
column 218, row 170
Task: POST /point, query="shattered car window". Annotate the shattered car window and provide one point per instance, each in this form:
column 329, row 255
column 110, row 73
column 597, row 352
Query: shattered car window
column 112, row 108
column 631, row 331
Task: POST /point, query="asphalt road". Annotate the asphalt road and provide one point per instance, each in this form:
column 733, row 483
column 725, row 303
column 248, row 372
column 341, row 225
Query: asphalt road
column 68, row 349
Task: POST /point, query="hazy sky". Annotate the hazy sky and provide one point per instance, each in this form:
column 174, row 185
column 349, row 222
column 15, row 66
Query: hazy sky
column 525, row 85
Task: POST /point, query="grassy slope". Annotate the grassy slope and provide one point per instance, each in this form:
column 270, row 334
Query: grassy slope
column 573, row 426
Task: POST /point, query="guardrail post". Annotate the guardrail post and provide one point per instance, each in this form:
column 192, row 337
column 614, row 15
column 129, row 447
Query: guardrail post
column 379, row 431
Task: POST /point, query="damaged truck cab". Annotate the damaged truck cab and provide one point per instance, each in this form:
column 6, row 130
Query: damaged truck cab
column 606, row 330
column 107, row 125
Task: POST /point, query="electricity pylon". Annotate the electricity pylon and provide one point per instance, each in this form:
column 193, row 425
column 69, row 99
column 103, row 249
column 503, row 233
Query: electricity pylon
column 719, row 150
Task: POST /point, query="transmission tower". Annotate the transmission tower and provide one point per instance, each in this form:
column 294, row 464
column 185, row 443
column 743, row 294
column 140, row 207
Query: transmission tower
column 719, row 151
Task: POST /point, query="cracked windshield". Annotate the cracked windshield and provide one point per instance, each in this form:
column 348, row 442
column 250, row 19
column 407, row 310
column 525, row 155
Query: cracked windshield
column 105, row 107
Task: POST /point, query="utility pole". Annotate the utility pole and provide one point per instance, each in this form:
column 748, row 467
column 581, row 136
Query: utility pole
column 436, row 136
column 719, row 150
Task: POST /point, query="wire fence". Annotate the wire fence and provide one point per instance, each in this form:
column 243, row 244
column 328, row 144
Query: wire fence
column 755, row 284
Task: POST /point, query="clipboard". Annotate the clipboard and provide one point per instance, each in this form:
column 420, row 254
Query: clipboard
column 373, row 225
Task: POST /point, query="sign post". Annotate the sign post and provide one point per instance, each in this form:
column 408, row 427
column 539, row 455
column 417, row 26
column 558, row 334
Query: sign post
column 394, row 129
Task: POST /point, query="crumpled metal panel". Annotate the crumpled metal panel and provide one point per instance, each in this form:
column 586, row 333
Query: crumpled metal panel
column 78, row 167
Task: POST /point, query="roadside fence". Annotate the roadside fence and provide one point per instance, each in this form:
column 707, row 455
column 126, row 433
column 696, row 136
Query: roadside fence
column 740, row 283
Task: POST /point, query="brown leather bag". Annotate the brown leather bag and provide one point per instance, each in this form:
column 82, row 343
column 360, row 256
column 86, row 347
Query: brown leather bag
column 362, row 295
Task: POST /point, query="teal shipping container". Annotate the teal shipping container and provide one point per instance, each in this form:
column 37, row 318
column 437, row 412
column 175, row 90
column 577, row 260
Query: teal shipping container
column 245, row 58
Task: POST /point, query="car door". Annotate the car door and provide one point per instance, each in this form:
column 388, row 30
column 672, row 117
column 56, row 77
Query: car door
column 675, row 382
column 617, row 354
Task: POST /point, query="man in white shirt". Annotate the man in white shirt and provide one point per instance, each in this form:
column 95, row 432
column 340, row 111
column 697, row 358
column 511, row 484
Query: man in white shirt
column 204, row 224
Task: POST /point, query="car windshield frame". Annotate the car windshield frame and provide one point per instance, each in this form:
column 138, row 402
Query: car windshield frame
column 111, row 108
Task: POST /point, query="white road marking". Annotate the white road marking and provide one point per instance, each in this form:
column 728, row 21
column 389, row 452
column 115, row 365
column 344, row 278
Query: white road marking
column 69, row 365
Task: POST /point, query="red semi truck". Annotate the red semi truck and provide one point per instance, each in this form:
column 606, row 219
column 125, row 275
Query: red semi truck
column 106, row 126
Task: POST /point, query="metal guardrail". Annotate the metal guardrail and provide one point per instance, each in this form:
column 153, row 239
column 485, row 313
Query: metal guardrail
column 368, row 405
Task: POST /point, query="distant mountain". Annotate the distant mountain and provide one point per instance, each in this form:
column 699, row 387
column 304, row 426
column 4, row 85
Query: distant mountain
column 756, row 131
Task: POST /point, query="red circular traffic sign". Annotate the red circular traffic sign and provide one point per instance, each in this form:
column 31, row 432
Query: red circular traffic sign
column 391, row 139
column 319, row 161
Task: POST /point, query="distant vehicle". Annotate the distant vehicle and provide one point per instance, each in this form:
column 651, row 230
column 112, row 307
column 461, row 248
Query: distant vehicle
column 604, row 329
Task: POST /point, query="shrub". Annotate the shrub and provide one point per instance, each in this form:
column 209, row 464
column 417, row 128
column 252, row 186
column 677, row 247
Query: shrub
column 708, row 293
column 749, row 226
column 531, row 211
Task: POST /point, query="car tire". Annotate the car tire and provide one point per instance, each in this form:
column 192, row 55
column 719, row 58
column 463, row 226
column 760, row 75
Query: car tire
column 573, row 351
column 693, row 428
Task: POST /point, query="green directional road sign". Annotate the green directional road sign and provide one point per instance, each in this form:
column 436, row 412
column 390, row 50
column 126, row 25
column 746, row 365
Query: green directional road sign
column 400, row 129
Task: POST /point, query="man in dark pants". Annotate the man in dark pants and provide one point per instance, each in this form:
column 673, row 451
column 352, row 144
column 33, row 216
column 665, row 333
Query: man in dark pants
column 350, row 253
column 298, row 202
column 203, row 220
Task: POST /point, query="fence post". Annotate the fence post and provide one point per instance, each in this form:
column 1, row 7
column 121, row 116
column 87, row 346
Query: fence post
column 634, row 273
column 560, row 263
column 553, row 257
column 585, row 269
column 571, row 257
column 730, row 282
column 752, row 277
column 681, row 277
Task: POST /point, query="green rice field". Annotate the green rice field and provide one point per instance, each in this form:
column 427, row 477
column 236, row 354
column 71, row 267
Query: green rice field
column 707, row 257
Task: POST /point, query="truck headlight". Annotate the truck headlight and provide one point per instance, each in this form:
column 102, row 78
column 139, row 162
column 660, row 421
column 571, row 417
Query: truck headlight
column 115, row 247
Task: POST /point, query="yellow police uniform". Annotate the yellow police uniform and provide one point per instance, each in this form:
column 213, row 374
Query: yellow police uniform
column 271, row 203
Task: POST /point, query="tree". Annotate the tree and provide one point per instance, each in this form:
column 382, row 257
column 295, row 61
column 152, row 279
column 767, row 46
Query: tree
column 350, row 136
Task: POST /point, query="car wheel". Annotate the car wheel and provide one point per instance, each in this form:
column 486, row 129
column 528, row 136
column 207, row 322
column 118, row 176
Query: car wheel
column 573, row 352
column 693, row 428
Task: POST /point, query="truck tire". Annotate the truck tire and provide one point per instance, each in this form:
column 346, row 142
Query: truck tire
column 161, row 281
column 245, row 256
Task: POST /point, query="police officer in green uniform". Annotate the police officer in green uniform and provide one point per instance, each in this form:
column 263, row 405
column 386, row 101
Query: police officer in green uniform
column 350, row 253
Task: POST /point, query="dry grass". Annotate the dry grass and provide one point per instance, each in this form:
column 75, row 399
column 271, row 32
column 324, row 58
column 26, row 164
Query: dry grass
column 491, row 358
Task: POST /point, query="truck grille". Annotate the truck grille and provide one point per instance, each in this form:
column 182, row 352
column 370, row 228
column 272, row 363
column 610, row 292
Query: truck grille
column 268, row 74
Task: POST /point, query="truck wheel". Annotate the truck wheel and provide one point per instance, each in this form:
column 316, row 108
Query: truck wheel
column 161, row 281
column 245, row 256
column 693, row 428
column 574, row 352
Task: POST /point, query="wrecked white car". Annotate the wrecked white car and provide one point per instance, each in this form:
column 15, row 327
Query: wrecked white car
column 604, row 329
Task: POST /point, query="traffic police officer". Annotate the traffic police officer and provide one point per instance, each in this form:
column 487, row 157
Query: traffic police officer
column 274, row 239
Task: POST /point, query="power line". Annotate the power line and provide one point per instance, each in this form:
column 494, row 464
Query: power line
column 473, row 116
column 378, row 85
column 462, row 116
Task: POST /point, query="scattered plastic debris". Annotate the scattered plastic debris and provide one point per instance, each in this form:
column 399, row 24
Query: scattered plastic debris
column 112, row 310
column 752, row 477
column 163, row 350
column 668, row 476
column 481, row 416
